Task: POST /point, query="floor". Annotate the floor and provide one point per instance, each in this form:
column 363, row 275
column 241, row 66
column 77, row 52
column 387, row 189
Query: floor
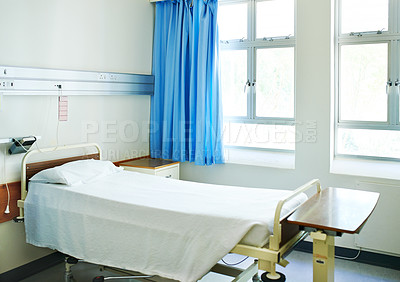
column 299, row 270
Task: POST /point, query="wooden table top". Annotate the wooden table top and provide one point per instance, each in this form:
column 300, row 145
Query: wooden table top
column 149, row 163
column 336, row 209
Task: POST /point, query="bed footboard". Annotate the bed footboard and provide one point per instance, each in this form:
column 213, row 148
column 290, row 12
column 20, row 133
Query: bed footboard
column 276, row 238
column 285, row 236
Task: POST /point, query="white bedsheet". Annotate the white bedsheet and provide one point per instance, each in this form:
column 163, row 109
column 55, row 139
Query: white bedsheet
column 157, row 226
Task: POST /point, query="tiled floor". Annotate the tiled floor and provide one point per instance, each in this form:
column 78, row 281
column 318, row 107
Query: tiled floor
column 299, row 270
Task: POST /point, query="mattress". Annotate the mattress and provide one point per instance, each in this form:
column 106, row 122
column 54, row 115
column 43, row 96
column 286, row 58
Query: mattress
column 158, row 226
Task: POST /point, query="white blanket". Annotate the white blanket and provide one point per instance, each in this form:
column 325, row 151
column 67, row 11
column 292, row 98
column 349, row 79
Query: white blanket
column 157, row 226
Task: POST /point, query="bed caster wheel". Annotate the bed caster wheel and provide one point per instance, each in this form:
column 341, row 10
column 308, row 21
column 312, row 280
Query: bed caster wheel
column 267, row 277
column 98, row 279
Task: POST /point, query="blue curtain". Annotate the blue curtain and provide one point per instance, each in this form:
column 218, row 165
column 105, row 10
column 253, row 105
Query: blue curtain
column 186, row 110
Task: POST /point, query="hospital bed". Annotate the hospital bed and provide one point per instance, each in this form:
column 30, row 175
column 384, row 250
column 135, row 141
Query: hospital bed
column 102, row 210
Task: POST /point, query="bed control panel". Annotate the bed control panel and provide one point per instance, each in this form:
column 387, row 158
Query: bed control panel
column 159, row 167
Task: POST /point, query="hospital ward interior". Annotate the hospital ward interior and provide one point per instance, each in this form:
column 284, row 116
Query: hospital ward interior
column 200, row 140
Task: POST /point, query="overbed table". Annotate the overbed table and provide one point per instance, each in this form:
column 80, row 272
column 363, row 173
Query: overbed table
column 331, row 213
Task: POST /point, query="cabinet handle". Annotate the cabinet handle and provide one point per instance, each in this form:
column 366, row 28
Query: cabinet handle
column 169, row 176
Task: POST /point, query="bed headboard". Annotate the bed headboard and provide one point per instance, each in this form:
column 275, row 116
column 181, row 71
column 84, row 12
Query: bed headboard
column 33, row 168
column 29, row 169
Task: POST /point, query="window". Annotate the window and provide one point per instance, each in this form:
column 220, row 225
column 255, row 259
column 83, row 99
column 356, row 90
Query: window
column 257, row 73
column 368, row 65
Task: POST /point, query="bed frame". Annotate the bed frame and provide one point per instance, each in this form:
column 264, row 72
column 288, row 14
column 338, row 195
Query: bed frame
column 285, row 235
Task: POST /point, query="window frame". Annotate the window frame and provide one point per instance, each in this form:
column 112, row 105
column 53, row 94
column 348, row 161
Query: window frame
column 251, row 45
column 392, row 38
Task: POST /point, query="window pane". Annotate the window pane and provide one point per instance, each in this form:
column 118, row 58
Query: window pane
column 275, row 81
column 233, row 80
column 275, row 18
column 232, row 21
column 259, row 135
column 363, row 77
column 363, row 142
column 364, row 15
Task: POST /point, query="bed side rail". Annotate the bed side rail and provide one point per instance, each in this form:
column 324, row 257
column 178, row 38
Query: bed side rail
column 276, row 237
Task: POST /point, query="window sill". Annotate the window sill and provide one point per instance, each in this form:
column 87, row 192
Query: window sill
column 367, row 168
column 256, row 157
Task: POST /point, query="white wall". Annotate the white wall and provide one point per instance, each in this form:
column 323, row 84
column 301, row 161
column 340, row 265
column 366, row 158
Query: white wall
column 96, row 35
column 116, row 36
column 313, row 103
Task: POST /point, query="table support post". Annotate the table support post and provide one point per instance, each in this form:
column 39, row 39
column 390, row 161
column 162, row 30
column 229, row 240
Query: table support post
column 323, row 257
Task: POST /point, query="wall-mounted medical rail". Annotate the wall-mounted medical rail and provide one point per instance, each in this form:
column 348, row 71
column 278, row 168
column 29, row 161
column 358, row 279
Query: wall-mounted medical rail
column 40, row 81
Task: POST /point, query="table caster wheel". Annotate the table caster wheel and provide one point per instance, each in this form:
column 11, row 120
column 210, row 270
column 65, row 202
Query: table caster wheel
column 267, row 277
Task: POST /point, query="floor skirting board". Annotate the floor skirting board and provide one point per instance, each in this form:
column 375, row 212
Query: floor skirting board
column 367, row 257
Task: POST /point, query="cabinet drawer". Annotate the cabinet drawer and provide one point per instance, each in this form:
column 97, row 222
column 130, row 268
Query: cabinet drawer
column 169, row 172
column 139, row 169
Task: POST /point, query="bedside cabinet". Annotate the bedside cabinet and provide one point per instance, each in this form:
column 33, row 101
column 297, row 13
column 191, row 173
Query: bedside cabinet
column 160, row 167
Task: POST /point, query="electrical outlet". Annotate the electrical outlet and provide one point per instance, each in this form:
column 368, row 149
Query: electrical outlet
column 108, row 77
column 103, row 76
column 7, row 84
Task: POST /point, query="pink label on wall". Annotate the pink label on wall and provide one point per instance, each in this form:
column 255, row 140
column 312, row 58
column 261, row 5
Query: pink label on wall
column 63, row 108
